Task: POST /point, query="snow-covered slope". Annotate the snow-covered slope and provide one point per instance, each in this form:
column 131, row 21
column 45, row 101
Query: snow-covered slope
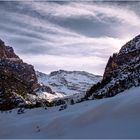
column 116, row 117
column 68, row 82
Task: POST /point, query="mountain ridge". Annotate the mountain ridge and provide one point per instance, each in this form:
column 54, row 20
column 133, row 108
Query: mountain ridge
column 122, row 72
column 18, row 80
column 68, row 83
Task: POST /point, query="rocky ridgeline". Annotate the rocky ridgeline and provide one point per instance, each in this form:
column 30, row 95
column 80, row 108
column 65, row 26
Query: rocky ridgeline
column 17, row 80
column 68, row 82
column 122, row 72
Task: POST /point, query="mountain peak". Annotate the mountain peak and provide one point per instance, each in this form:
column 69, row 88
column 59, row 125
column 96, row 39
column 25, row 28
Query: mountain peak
column 7, row 52
column 122, row 71
column 132, row 45
column 17, row 79
column 71, row 84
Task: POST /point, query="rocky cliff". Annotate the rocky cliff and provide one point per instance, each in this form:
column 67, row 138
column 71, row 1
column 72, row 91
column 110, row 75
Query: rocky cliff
column 17, row 80
column 122, row 71
column 7, row 52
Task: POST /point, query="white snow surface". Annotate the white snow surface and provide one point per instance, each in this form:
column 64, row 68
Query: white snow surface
column 68, row 82
column 48, row 96
column 116, row 117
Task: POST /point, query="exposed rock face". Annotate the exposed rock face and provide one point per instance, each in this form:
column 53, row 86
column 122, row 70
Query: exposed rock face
column 6, row 51
column 130, row 51
column 122, row 71
column 17, row 79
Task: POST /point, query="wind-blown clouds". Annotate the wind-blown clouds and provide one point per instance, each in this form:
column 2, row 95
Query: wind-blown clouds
column 68, row 35
column 76, row 9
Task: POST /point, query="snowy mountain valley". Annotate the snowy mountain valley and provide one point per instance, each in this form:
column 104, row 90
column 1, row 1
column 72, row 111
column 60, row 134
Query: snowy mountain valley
column 69, row 69
column 71, row 104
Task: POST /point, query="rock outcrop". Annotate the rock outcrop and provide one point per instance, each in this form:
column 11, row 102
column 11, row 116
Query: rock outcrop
column 7, row 52
column 122, row 71
column 17, row 80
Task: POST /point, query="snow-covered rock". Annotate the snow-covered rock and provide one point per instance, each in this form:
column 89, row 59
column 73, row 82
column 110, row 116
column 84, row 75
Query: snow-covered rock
column 68, row 83
column 121, row 73
column 131, row 46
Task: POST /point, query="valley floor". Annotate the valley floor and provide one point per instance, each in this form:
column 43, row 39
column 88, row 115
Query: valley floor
column 117, row 117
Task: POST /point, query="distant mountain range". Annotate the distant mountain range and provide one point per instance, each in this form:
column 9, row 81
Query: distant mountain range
column 68, row 83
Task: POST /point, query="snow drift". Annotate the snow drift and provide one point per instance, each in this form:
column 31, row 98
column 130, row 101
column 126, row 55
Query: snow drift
column 116, row 117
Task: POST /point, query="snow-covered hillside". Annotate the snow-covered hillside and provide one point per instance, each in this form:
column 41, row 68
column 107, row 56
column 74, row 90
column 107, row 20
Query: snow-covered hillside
column 116, row 117
column 68, row 83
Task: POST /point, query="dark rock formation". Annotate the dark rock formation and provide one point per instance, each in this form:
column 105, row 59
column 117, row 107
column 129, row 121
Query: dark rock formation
column 122, row 72
column 7, row 52
column 17, row 79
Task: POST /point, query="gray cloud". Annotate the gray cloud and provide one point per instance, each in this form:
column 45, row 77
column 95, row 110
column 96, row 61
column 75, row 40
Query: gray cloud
column 68, row 35
column 89, row 27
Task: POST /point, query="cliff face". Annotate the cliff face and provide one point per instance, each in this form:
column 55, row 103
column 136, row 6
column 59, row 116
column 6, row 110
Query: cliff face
column 122, row 71
column 128, row 53
column 17, row 79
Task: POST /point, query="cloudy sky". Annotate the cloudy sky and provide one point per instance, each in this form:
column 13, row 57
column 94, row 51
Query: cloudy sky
column 74, row 35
